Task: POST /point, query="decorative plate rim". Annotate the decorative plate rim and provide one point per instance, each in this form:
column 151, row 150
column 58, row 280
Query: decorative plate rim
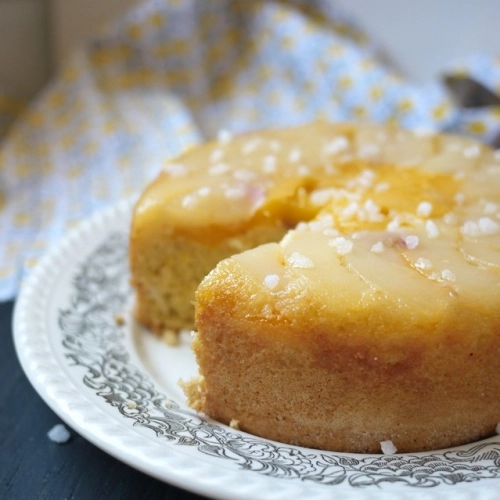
column 197, row 466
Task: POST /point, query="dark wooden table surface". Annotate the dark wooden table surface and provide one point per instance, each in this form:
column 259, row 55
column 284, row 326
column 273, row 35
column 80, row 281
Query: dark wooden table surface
column 34, row 467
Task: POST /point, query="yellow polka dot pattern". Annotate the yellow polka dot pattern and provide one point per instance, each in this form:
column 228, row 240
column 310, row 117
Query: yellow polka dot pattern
column 171, row 73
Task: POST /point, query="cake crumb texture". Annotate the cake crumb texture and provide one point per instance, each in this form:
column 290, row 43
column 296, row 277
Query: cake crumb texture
column 345, row 280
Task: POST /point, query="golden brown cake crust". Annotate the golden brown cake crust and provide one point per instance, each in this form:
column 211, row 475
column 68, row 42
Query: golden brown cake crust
column 367, row 308
column 341, row 391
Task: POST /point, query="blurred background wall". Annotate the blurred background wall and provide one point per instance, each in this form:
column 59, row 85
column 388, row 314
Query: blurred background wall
column 37, row 35
column 419, row 36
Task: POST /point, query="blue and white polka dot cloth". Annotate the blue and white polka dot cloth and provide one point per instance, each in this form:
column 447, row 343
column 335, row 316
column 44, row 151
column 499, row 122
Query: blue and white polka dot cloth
column 172, row 73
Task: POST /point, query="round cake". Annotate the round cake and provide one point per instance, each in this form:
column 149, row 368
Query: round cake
column 358, row 296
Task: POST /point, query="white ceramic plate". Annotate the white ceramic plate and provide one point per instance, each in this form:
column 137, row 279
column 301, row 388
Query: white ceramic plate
column 117, row 386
